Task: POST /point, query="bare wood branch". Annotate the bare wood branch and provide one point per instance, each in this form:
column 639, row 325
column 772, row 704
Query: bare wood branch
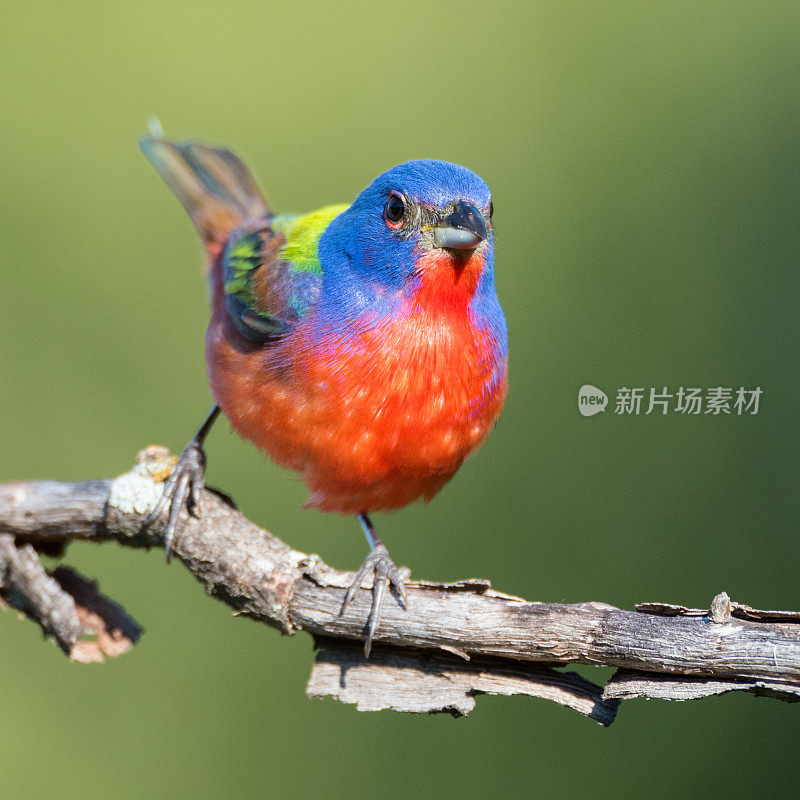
column 86, row 625
column 454, row 641
column 25, row 585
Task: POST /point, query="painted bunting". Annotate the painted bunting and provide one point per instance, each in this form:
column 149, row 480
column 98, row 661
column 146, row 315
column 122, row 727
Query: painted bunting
column 362, row 345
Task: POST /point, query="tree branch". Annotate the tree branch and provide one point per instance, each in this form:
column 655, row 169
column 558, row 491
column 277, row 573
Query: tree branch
column 455, row 640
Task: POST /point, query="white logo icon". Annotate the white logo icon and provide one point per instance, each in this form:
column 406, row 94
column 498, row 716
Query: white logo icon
column 591, row 400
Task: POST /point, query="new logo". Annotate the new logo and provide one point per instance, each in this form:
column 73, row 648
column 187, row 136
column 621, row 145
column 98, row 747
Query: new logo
column 591, row 400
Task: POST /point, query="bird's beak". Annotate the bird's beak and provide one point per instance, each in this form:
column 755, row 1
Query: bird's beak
column 464, row 229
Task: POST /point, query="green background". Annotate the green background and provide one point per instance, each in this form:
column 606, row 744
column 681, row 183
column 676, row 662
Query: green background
column 644, row 164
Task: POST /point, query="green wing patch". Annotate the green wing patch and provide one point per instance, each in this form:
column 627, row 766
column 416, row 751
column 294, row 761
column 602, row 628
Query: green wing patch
column 242, row 258
column 254, row 289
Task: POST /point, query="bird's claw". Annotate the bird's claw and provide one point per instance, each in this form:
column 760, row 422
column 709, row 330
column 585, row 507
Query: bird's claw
column 182, row 488
column 385, row 575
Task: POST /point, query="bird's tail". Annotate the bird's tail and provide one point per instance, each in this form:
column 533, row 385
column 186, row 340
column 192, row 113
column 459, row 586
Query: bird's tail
column 213, row 185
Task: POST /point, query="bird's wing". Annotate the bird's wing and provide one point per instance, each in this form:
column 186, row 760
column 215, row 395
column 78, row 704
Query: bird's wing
column 273, row 274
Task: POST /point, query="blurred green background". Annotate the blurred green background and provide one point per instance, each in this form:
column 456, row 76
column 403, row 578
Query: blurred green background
column 644, row 164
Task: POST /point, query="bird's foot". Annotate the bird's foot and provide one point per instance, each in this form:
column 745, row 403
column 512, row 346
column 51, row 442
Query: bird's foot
column 182, row 488
column 385, row 574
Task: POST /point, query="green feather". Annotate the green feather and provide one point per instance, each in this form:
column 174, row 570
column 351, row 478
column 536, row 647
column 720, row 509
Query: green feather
column 243, row 257
column 302, row 237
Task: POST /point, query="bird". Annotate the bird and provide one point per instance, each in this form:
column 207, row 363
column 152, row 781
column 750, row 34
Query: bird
column 362, row 345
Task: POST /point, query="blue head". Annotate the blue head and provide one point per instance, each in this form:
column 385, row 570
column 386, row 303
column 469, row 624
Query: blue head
column 371, row 252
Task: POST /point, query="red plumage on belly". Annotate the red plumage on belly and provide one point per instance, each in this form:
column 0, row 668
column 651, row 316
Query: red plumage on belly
column 376, row 419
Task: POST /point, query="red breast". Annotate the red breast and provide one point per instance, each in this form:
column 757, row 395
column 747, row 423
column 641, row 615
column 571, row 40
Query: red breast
column 375, row 420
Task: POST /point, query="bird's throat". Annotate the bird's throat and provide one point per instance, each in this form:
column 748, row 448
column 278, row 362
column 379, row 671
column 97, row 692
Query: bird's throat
column 447, row 281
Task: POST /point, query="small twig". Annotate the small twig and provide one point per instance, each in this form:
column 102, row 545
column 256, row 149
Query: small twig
column 26, row 586
column 69, row 609
column 453, row 642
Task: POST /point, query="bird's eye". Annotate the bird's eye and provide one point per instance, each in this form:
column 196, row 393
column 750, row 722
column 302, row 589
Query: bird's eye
column 491, row 209
column 394, row 210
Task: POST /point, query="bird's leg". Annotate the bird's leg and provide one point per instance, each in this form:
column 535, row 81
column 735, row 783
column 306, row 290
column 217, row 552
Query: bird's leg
column 184, row 483
column 385, row 574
